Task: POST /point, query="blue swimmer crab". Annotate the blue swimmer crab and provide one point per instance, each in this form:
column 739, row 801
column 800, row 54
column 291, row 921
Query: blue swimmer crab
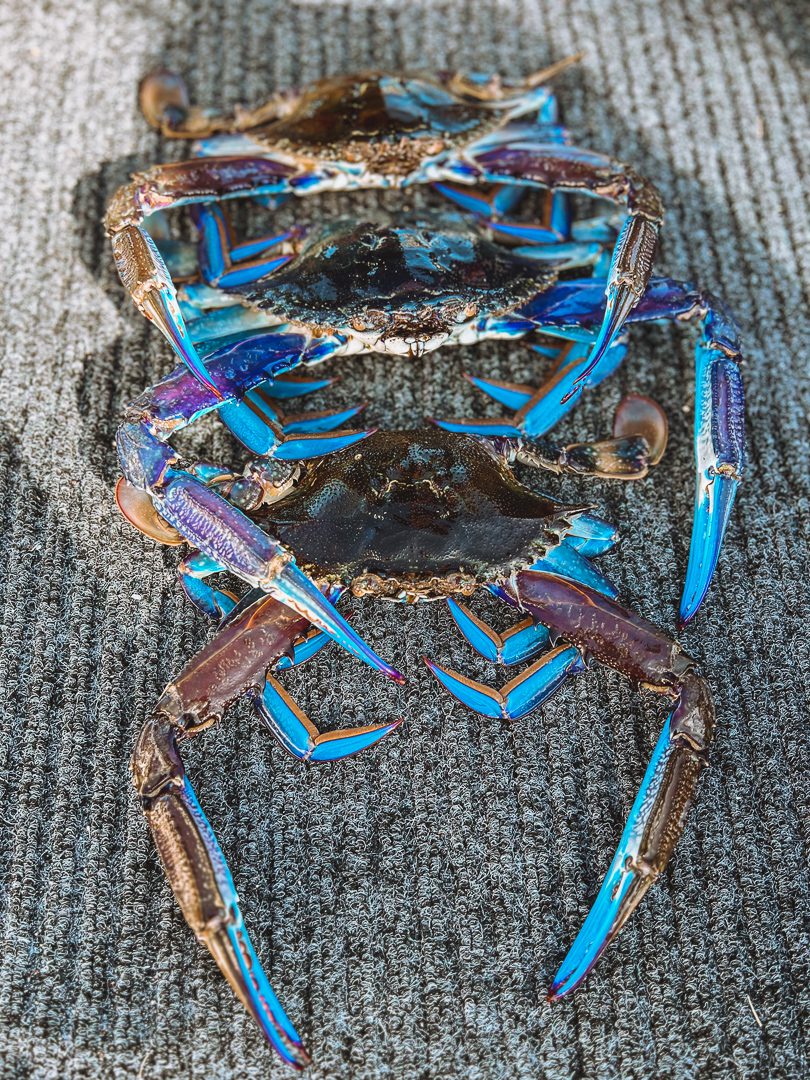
column 418, row 515
column 411, row 515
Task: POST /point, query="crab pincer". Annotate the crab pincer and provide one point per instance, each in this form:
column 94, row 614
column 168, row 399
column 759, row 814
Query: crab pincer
column 625, row 641
column 259, row 632
column 191, row 856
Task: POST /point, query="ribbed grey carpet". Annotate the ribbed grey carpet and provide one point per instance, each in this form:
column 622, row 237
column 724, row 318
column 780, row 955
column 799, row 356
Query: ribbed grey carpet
column 412, row 904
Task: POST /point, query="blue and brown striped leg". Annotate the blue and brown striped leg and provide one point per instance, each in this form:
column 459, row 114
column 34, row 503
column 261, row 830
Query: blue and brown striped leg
column 539, row 409
column 226, row 263
column 571, row 560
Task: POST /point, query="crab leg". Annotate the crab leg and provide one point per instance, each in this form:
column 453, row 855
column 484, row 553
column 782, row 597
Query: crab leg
column 140, row 266
column 522, row 694
column 192, row 858
column 193, row 571
column 537, row 411
column 223, row 262
column 641, row 651
column 569, row 168
column 719, row 434
column 626, row 457
column 202, row 516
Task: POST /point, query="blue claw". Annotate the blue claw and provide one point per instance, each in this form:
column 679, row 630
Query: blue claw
column 712, row 511
column 520, row 643
column 231, row 947
column 304, row 649
column 298, row 735
column 565, row 562
column 294, row 588
column 520, row 695
column 624, row 885
column 720, row 459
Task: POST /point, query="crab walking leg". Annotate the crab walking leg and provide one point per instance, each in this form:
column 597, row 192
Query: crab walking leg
column 193, row 572
column 225, row 263
column 537, row 411
column 140, row 266
column 569, row 168
column 638, row 649
column 202, row 516
column 625, row 457
column 235, row 661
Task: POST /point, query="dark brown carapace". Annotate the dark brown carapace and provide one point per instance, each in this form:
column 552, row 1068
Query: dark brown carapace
column 422, row 511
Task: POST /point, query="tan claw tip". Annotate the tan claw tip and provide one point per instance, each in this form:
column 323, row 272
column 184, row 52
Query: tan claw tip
column 139, row 510
column 163, row 98
column 639, row 415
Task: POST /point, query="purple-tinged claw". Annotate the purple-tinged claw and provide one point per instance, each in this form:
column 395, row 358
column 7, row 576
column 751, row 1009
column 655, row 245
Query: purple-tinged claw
column 720, row 460
column 221, row 531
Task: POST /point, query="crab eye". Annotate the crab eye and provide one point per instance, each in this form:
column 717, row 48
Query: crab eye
column 358, row 325
column 470, row 311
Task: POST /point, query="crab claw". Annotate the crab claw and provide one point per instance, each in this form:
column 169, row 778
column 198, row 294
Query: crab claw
column 233, row 951
column 720, row 454
column 712, row 511
column 627, row 279
column 294, row 588
column 200, row 879
column 656, row 818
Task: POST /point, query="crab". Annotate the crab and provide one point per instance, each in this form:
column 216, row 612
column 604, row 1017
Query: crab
column 413, row 516
column 418, row 515
column 481, row 141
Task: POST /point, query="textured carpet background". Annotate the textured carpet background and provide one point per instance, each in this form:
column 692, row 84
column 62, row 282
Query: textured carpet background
column 412, row 904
